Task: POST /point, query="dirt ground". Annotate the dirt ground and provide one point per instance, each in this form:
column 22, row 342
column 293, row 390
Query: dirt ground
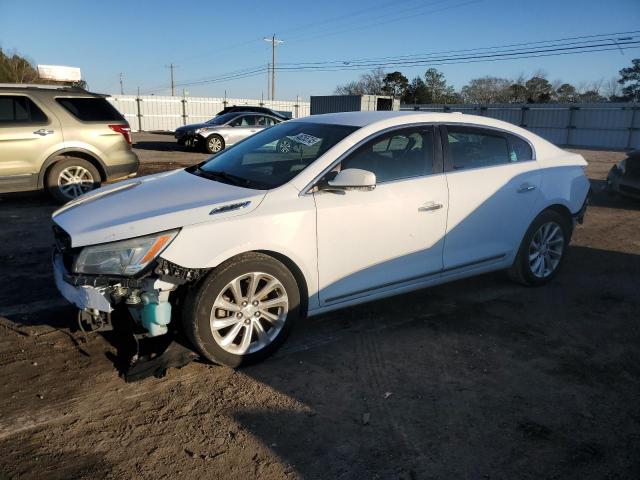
column 480, row 379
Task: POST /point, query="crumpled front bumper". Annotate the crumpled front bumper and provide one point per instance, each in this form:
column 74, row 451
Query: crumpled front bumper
column 84, row 297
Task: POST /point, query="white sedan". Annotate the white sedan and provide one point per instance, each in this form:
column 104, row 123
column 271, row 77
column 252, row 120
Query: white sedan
column 367, row 205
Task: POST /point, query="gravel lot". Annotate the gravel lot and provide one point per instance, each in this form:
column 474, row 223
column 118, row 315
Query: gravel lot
column 477, row 379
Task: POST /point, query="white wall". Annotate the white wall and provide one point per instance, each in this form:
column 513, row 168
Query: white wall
column 153, row 112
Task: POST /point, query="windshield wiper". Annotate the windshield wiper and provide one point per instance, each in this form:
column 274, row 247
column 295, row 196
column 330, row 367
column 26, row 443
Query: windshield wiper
column 224, row 176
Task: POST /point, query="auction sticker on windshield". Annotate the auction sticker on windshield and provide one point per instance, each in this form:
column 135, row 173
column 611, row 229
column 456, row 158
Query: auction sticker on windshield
column 305, row 139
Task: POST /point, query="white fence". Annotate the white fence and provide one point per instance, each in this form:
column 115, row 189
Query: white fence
column 595, row 125
column 152, row 112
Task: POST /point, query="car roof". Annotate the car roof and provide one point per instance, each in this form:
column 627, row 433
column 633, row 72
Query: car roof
column 47, row 89
column 398, row 118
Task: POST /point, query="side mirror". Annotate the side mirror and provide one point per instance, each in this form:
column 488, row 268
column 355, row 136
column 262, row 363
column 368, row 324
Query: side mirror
column 353, row 179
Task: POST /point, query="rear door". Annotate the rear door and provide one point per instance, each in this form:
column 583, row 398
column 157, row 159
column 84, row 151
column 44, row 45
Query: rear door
column 28, row 136
column 86, row 126
column 494, row 184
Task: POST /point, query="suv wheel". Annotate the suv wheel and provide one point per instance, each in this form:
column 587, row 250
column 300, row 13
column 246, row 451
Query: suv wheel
column 542, row 250
column 214, row 144
column 68, row 179
column 243, row 310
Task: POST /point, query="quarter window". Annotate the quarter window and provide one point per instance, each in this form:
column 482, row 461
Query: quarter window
column 520, row 150
column 20, row 109
column 91, row 109
column 395, row 155
column 473, row 148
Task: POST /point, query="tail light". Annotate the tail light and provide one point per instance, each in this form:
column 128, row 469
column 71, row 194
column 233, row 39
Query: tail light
column 124, row 130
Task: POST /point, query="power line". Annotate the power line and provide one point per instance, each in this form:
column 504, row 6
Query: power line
column 479, row 49
column 483, row 54
column 385, row 19
column 429, row 58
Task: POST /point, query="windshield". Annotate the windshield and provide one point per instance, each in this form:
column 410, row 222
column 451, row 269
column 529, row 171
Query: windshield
column 222, row 119
column 274, row 156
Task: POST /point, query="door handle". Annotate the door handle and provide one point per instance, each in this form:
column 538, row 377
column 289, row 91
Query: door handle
column 43, row 132
column 525, row 187
column 429, row 207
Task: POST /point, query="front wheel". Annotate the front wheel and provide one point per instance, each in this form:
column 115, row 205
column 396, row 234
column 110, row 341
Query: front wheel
column 542, row 250
column 243, row 310
column 214, row 144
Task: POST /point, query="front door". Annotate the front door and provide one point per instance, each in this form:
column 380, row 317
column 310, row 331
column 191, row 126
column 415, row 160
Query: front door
column 389, row 237
column 242, row 127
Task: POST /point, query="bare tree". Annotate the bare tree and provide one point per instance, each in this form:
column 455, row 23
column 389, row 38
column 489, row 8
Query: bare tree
column 487, row 90
column 371, row 83
column 16, row 69
column 611, row 88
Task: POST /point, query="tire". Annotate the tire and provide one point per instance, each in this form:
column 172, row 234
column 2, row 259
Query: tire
column 527, row 268
column 214, row 144
column 242, row 336
column 70, row 177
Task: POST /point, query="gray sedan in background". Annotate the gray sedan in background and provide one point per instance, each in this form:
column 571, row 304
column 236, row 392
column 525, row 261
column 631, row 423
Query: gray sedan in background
column 224, row 130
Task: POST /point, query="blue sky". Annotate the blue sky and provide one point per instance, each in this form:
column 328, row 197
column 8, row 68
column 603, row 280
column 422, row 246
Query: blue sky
column 207, row 39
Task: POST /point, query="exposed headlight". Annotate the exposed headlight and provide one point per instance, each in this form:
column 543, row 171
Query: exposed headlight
column 125, row 257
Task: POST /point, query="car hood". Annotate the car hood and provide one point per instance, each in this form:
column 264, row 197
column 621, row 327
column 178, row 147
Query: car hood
column 151, row 204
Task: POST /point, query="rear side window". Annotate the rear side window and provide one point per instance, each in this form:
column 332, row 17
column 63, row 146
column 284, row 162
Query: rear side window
column 20, row 109
column 475, row 147
column 90, row 109
column 520, row 150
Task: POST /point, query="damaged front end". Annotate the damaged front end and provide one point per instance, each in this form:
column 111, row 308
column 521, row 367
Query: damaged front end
column 130, row 277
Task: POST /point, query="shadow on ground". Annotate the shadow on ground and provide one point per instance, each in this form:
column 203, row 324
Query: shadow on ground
column 536, row 383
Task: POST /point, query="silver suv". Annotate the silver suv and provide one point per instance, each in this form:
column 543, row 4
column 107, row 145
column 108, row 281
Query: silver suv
column 65, row 140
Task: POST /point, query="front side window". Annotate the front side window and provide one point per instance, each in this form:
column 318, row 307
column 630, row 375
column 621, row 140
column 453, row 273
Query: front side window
column 266, row 121
column 244, row 121
column 20, row 109
column 273, row 156
column 471, row 147
column 396, row 155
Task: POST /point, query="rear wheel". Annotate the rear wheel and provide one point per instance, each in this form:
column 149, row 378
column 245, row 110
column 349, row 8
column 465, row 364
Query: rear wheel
column 542, row 250
column 243, row 310
column 214, row 144
column 68, row 179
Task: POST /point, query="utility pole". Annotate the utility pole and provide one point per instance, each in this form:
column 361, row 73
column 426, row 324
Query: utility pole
column 171, row 67
column 274, row 42
column 268, row 80
column 121, row 85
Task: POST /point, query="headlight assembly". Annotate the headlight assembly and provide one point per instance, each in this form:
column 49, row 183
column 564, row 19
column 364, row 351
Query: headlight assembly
column 125, row 257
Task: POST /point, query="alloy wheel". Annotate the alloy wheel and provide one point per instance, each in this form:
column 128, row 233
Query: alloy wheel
column 215, row 144
column 545, row 249
column 249, row 313
column 75, row 180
